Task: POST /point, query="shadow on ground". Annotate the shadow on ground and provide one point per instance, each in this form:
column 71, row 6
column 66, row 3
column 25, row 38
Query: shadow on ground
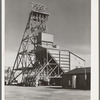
column 55, row 87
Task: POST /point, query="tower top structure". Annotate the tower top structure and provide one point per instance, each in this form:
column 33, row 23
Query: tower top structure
column 40, row 8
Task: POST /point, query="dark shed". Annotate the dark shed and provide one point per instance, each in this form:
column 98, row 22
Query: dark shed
column 78, row 78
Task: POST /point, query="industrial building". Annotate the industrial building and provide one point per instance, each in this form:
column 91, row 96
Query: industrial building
column 78, row 78
column 39, row 59
column 7, row 73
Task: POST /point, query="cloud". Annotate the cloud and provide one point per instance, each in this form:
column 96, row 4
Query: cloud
column 9, row 58
column 83, row 51
column 80, row 49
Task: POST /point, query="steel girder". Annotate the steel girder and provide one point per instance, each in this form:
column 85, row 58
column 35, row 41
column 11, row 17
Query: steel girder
column 26, row 60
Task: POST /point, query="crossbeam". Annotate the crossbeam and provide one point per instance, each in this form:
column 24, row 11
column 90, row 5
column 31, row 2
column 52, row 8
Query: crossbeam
column 38, row 7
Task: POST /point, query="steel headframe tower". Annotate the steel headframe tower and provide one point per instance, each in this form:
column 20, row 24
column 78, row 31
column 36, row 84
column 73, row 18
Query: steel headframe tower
column 26, row 58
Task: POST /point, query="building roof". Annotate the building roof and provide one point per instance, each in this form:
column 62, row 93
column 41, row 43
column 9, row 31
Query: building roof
column 79, row 71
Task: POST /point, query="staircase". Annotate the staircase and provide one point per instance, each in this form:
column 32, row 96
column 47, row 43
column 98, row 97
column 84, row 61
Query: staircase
column 60, row 58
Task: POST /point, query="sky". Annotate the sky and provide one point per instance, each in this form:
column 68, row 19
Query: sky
column 69, row 22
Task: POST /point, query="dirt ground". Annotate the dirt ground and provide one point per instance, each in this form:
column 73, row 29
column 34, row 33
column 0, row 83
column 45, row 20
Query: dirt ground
column 45, row 93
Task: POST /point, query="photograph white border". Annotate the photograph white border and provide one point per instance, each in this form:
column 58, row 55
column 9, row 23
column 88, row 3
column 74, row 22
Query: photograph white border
column 94, row 49
column 3, row 47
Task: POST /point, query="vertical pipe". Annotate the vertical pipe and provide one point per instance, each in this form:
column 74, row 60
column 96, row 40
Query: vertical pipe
column 47, row 62
column 69, row 61
column 85, row 78
column 59, row 62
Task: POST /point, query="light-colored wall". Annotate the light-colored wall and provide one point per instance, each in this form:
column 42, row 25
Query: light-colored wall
column 76, row 62
column 47, row 37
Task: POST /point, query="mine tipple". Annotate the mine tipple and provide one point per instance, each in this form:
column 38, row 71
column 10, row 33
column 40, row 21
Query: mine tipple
column 38, row 60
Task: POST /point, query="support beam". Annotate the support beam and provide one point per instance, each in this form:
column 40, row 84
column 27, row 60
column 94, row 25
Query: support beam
column 52, row 71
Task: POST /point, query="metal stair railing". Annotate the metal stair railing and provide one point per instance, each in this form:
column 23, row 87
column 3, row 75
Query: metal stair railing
column 45, row 65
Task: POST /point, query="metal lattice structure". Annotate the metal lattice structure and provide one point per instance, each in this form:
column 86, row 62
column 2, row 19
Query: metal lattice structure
column 35, row 62
column 26, row 54
column 7, row 75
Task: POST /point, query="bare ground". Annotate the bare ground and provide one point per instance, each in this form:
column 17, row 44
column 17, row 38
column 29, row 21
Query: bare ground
column 45, row 93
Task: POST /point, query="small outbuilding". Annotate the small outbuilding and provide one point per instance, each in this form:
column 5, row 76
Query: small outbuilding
column 78, row 78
